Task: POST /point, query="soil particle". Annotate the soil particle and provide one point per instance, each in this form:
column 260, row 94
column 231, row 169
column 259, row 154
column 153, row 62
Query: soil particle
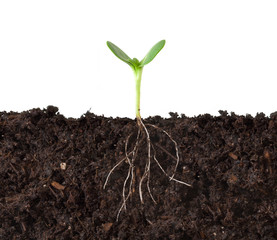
column 53, row 170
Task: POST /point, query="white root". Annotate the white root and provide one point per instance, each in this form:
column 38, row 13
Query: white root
column 111, row 171
column 130, row 173
column 147, row 165
column 123, row 159
column 176, row 149
column 170, row 177
column 146, row 174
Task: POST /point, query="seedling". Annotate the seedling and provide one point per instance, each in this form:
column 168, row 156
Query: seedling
column 137, row 67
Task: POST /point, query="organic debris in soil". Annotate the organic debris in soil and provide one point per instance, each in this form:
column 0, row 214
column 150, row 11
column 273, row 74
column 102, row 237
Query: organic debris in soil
column 53, row 170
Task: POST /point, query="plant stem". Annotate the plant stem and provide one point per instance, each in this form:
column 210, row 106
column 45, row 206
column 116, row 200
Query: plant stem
column 138, row 73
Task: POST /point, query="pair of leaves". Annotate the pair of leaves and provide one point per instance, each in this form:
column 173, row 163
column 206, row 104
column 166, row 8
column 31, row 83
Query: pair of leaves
column 135, row 63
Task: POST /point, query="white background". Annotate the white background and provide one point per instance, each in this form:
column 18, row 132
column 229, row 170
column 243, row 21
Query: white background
column 219, row 55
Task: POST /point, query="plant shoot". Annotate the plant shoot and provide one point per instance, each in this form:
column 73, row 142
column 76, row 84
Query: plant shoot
column 137, row 66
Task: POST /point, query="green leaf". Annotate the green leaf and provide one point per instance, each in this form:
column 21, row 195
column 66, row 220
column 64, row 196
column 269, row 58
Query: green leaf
column 152, row 53
column 119, row 53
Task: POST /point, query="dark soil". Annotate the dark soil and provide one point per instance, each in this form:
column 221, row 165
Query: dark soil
column 230, row 161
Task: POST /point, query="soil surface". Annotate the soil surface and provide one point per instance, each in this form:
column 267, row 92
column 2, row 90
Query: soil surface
column 53, row 170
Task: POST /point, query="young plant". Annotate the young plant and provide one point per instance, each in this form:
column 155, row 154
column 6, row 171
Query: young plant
column 130, row 156
column 137, row 66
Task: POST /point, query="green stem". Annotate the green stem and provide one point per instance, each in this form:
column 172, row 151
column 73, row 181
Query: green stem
column 138, row 73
